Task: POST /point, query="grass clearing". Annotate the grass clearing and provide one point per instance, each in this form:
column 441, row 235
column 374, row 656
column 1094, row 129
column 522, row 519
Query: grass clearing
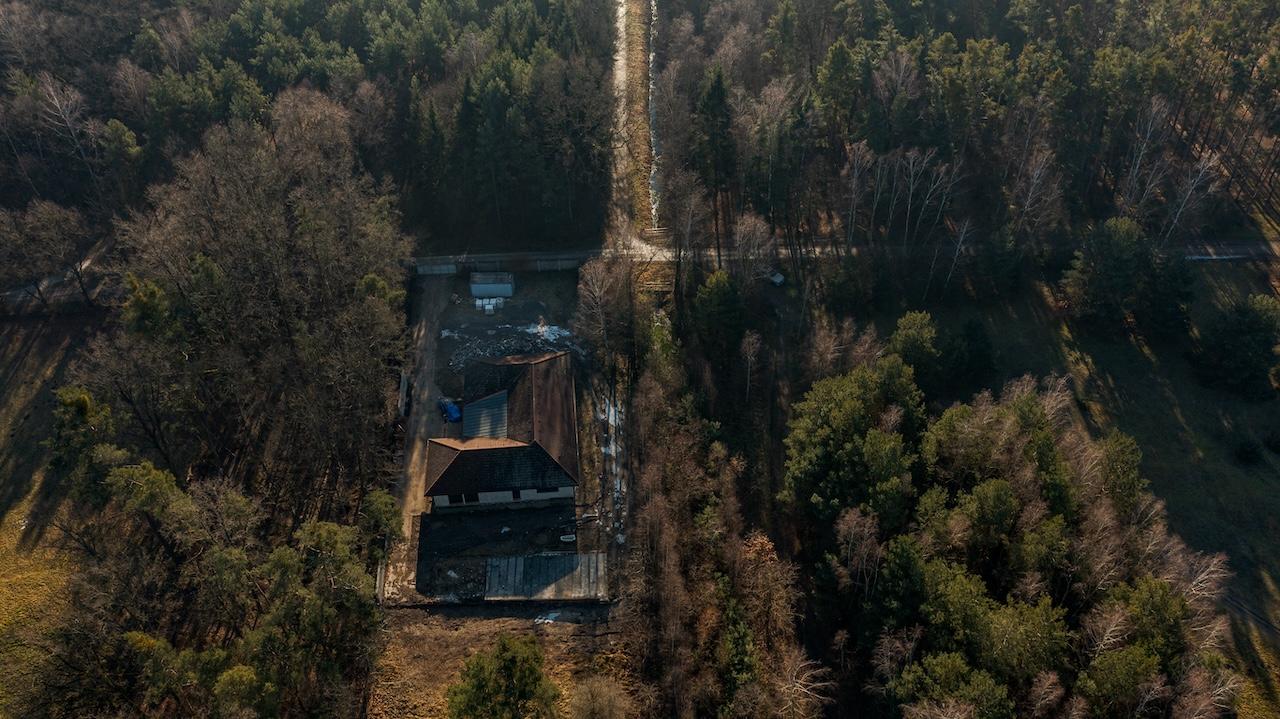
column 426, row 650
column 1189, row 435
column 31, row 599
column 34, row 356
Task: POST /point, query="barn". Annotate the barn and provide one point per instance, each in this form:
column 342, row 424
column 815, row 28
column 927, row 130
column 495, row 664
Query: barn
column 520, row 437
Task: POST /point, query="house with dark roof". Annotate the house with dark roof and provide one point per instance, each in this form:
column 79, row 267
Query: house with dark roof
column 520, row 436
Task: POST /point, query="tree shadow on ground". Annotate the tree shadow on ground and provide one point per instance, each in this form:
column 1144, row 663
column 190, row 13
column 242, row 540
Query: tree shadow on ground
column 35, row 355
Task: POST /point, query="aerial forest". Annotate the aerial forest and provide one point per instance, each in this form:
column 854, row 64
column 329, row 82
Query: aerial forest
column 838, row 501
column 948, row 543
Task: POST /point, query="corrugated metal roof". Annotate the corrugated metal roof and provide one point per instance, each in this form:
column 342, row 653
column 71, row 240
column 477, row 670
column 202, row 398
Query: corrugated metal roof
column 486, row 417
column 492, row 278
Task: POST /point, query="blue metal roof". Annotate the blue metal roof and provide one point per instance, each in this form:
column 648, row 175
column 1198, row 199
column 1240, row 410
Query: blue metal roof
column 486, row 417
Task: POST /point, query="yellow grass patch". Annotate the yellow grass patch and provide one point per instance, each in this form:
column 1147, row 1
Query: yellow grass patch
column 31, row 600
column 34, row 356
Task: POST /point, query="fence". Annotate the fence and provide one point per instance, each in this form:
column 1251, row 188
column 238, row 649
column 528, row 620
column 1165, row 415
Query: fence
column 513, row 262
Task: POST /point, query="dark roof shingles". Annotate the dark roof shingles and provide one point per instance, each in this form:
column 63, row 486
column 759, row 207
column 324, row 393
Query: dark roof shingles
column 499, row 469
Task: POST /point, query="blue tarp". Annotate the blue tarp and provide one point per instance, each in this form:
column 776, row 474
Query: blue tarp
column 449, row 410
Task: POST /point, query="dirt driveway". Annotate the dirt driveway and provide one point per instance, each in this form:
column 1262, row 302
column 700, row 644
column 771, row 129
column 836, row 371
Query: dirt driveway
column 423, row 423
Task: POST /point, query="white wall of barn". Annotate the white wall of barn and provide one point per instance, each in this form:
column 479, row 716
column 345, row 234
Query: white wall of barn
column 492, row 290
column 441, row 501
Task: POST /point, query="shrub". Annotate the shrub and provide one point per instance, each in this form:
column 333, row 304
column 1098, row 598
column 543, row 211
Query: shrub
column 1272, row 441
column 599, row 697
column 505, row 682
column 1248, row 452
column 1238, row 351
column 968, row 357
column 1118, row 272
column 718, row 313
column 851, row 286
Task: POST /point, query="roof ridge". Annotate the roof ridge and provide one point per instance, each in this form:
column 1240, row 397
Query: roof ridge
column 482, row 398
column 471, row 444
column 531, row 358
column 443, row 470
column 556, row 460
column 547, row 356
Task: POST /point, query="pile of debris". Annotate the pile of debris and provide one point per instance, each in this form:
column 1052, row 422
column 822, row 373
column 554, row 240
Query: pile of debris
column 506, row 340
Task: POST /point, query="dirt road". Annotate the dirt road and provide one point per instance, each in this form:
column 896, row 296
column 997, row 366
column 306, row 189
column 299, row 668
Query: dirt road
column 423, row 423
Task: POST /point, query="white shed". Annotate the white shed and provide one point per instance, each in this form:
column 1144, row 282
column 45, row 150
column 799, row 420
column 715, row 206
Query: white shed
column 492, row 284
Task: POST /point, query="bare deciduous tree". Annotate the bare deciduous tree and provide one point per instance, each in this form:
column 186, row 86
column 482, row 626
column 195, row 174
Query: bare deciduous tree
column 603, row 289
column 39, row 246
column 884, row 170
column 1045, row 694
column 177, row 32
column 1077, row 708
column 129, row 87
column 1106, row 627
column 23, row 31
column 1101, row 549
column 1205, row 694
column 1037, row 194
column 684, row 210
column 858, row 548
column 767, row 586
column 895, row 80
column 829, row 344
column 937, row 197
column 1199, row 182
column 62, row 109
column 312, row 131
column 895, row 649
column 1152, row 694
column 802, row 686
column 765, row 119
column 372, row 116
column 959, row 241
column 755, row 246
column 866, row 349
column 750, row 351
column 1147, row 165
column 945, row 709
column 854, row 179
column 594, row 289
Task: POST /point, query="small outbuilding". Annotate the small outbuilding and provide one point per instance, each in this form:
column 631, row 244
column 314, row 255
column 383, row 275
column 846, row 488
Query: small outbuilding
column 492, row 284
